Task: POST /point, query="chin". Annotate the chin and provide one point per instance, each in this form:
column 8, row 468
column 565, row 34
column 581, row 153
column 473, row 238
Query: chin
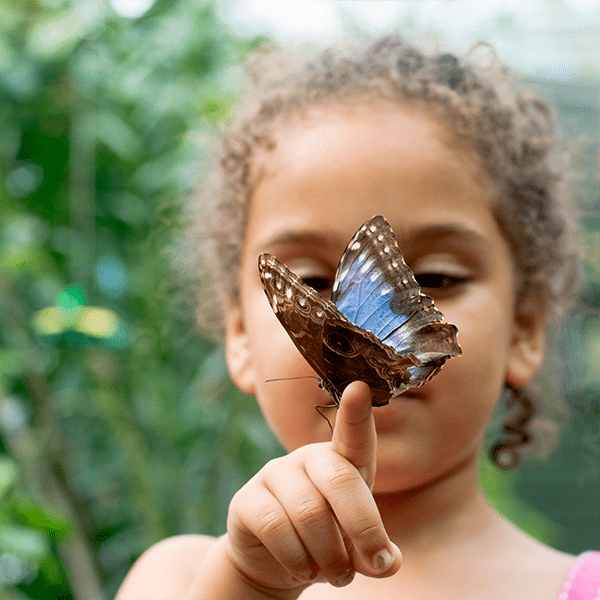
column 387, row 488
column 403, row 465
column 397, row 479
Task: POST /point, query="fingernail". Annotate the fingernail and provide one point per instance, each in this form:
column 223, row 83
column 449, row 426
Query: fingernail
column 383, row 560
column 345, row 579
column 309, row 576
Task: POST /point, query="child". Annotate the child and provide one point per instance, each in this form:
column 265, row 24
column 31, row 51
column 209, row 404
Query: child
column 465, row 173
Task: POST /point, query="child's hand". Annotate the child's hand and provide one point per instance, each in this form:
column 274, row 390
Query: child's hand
column 310, row 516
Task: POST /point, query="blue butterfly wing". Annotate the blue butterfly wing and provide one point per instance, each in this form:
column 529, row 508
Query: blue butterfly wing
column 376, row 290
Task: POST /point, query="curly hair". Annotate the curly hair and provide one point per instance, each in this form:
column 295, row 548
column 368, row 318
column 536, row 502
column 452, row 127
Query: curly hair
column 513, row 135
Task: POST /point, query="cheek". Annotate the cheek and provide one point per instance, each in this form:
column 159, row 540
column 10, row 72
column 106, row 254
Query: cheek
column 476, row 378
column 273, row 353
column 287, row 404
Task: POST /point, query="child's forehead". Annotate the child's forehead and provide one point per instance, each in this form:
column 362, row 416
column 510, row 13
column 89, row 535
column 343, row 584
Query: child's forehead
column 359, row 111
column 322, row 136
column 301, row 137
column 333, row 194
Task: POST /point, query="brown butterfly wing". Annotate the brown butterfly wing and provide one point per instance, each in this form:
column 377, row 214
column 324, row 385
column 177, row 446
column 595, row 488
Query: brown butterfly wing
column 301, row 310
column 338, row 351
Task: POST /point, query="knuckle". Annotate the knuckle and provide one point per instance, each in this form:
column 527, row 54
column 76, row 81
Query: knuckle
column 367, row 534
column 356, row 444
column 245, row 499
column 350, row 444
column 272, row 466
column 311, row 511
column 272, row 523
column 235, row 512
column 341, row 477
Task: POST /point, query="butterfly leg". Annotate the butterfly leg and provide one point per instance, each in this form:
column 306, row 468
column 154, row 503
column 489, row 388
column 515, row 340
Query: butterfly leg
column 336, row 404
column 317, row 407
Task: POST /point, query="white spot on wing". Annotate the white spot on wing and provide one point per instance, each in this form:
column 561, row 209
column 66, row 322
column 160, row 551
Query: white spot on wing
column 367, row 266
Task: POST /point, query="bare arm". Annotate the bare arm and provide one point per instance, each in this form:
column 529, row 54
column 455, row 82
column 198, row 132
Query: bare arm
column 166, row 570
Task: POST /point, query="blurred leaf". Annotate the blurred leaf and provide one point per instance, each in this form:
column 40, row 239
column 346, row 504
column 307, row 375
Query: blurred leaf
column 57, row 36
column 41, row 518
column 8, row 475
column 22, row 542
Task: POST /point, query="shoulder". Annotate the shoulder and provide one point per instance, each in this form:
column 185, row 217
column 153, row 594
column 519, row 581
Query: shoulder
column 166, row 569
column 531, row 567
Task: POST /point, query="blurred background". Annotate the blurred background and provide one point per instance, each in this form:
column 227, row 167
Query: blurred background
column 118, row 424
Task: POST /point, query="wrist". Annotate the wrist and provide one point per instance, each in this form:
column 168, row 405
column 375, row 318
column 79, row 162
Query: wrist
column 220, row 578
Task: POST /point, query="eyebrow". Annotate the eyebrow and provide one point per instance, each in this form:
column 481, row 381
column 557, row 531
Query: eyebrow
column 322, row 239
column 432, row 233
column 331, row 240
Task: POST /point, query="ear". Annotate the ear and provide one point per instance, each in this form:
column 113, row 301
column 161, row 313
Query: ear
column 528, row 344
column 237, row 350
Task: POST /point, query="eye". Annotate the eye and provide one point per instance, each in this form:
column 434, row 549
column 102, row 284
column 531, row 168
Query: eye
column 441, row 282
column 320, row 284
column 316, row 273
column 443, row 273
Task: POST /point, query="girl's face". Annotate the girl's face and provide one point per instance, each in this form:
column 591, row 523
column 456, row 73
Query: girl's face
column 328, row 173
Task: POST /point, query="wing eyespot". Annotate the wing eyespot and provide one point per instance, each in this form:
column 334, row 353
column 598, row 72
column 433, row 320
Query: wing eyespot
column 302, row 304
column 318, row 314
column 340, row 344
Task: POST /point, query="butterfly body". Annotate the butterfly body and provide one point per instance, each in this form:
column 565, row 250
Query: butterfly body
column 378, row 327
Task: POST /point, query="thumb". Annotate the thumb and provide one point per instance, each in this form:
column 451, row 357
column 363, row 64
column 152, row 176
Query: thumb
column 354, row 435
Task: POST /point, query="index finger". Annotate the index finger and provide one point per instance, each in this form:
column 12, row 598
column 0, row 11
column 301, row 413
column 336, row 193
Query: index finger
column 354, row 435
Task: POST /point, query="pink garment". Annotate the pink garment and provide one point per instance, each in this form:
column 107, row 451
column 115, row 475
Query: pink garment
column 583, row 581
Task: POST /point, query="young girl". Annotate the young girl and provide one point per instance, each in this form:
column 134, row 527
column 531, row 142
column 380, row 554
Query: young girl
column 465, row 172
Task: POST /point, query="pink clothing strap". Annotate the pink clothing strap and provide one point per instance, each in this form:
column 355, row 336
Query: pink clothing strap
column 583, row 581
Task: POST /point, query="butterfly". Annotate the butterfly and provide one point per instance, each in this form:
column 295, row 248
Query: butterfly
column 378, row 326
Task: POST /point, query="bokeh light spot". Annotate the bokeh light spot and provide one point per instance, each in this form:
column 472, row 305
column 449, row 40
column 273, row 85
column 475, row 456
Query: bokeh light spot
column 111, row 276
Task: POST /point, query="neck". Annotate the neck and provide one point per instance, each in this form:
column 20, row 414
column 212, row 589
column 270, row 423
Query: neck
column 439, row 512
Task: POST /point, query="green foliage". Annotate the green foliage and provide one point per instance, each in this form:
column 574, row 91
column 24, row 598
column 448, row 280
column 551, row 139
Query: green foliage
column 29, row 531
column 118, row 424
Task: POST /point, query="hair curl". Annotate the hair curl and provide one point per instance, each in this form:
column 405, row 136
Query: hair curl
column 512, row 133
